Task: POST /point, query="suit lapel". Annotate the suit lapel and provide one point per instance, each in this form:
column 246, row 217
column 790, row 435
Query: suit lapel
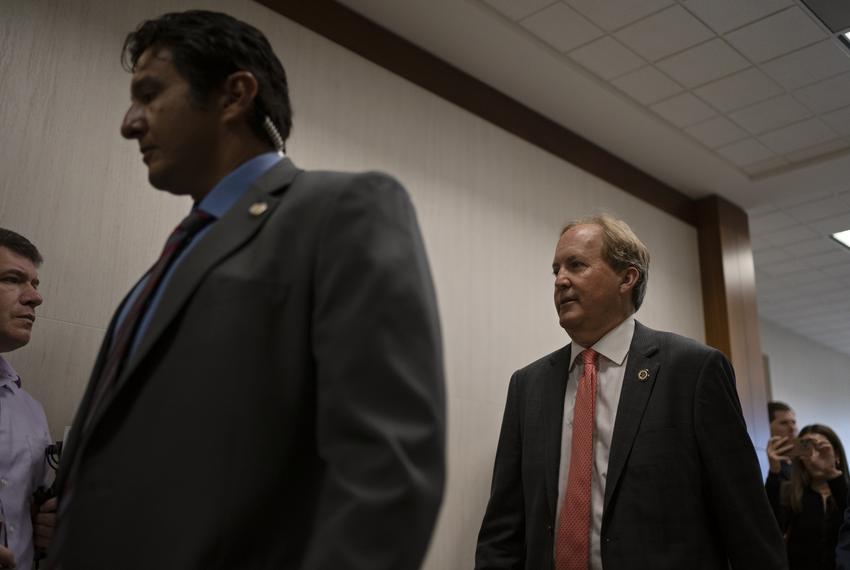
column 638, row 382
column 554, row 391
column 227, row 234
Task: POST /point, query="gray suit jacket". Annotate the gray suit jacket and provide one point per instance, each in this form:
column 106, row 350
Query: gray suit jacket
column 683, row 487
column 285, row 407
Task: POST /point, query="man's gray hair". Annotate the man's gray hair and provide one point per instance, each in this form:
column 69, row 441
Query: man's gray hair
column 621, row 248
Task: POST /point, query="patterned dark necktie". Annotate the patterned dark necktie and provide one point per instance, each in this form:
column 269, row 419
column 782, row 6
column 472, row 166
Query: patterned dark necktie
column 126, row 332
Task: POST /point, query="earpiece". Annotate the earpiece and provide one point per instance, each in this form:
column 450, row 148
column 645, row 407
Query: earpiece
column 273, row 134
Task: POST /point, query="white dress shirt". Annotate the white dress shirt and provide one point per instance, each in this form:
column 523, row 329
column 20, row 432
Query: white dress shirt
column 613, row 349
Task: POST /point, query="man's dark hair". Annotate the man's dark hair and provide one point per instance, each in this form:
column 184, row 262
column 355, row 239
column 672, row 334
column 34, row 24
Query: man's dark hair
column 775, row 407
column 207, row 47
column 16, row 243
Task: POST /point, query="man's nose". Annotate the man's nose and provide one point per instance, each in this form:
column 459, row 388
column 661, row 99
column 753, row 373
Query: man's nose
column 32, row 297
column 562, row 281
column 133, row 125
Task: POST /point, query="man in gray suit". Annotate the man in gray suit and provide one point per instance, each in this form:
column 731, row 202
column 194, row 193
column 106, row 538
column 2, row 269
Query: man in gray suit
column 270, row 394
column 626, row 449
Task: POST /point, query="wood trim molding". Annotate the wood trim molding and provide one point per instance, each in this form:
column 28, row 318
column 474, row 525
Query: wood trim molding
column 729, row 303
column 349, row 29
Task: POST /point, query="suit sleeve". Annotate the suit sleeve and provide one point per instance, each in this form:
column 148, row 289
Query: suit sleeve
column 501, row 540
column 380, row 386
column 733, row 477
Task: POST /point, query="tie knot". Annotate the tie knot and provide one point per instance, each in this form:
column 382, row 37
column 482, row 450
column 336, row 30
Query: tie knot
column 196, row 220
column 588, row 357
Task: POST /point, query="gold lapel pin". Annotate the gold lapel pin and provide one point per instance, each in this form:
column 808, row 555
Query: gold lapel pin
column 258, row 208
column 643, row 375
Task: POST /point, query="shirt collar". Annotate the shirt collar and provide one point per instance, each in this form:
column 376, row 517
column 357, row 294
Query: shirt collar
column 614, row 345
column 8, row 376
column 230, row 188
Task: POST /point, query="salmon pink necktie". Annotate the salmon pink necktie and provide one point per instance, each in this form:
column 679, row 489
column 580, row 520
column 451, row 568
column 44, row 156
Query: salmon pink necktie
column 572, row 549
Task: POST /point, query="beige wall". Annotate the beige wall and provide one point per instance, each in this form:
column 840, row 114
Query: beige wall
column 490, row 206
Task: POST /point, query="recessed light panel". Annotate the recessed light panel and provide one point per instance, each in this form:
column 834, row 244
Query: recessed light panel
column 842, row 238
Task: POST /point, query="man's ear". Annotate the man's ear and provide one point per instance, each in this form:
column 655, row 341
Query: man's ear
column 629, row 279
column 238, row 95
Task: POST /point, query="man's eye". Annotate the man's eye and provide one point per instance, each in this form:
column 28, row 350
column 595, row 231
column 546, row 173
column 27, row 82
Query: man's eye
column 147, row 96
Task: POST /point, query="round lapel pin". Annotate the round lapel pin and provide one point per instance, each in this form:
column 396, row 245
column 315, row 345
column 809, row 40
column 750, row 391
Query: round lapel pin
column 643, row 375
column 258, row 208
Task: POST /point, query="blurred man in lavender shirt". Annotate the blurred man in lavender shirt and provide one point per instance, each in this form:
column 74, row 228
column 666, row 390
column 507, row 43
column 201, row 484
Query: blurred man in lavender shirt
column 23, row 426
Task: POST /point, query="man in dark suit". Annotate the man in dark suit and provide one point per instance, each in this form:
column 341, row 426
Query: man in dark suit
column 626, row 449
column 270, row 394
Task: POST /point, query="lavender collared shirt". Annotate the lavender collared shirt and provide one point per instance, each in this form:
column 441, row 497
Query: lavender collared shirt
column 24, row 435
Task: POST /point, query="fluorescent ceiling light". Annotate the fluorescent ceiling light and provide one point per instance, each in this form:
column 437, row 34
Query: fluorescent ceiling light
column 842, row 237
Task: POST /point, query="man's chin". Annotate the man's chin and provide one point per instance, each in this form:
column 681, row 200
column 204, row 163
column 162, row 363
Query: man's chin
column 160, row 183
column 14, row 341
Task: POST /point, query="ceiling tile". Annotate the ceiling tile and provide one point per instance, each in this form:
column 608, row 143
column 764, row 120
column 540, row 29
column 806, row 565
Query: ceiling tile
column 797, row 278
column 739, row 90
column 683, row 110
column 703, row 63
column 838, row 270
column 797, row 136
column 762, row 167
column 818, row 288
column 827, row 95
column 820, row 209
column 747, row 151
column 725, row 15
column 839, row 120
column 776, row 35
column 770, row 114
column 833, row 224
column 802, row 197
column 771, row 222
column 791, row 235
column 818, row 151
column 830, row 259
column 761, row 210
column 808, row 65
column 561, row 27
column 771, row 255
column 614, row 14
column 519, row 9
column 665, row 33
column 607, row 58
column 784, row 267
column 647, row 85
column 717, row 132
column 810, row 247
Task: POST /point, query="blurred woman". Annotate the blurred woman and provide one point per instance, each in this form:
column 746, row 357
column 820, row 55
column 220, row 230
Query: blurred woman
column 809, row 507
